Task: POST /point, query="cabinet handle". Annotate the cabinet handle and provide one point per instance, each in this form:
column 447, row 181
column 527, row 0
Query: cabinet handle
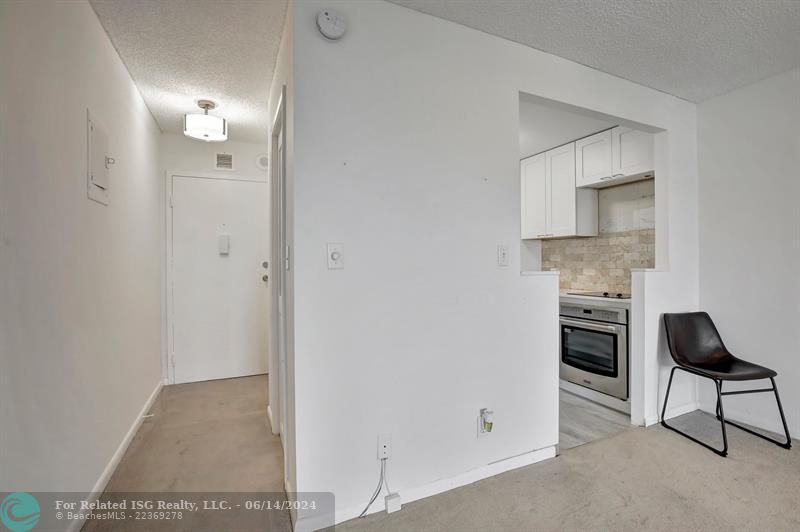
column 540, row 236
column 606, row 177
column 618, row 175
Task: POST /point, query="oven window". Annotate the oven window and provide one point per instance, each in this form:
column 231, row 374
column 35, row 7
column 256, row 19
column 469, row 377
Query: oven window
column 592, row 351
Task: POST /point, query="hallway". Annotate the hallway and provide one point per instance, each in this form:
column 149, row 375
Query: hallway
column 208, row 436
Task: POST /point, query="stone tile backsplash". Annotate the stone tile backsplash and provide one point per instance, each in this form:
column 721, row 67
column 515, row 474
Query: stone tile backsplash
column 600, row 263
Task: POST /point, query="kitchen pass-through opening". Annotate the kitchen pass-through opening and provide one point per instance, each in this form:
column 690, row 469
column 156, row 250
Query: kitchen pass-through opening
column 587, row 196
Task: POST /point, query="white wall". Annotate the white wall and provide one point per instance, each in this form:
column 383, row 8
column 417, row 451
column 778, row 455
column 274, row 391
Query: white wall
column 749, row 143
column 407, row 151
column 182, row 154
column 543, row 125
column 80, row 315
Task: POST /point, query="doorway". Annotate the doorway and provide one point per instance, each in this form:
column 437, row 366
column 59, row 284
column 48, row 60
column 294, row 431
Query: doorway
column 217, row 286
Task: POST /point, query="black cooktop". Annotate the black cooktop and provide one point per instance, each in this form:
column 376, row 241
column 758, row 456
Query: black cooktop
column 610, row 295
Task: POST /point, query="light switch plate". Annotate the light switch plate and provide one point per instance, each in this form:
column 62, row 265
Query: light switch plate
column 335, row 256
column 224, row 244
column 502, row 255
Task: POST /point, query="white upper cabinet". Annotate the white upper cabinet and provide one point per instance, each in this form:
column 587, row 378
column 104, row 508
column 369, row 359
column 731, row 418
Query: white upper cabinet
column 632, row 152
column 593, row 160
column 612, row 157
column 560, row 165
column 535, row 197
column 551, row 205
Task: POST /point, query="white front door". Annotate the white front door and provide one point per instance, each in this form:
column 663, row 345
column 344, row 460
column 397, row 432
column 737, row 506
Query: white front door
column 219, row 297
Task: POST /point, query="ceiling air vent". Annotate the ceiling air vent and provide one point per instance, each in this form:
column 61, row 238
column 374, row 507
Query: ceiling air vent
column 224, row 161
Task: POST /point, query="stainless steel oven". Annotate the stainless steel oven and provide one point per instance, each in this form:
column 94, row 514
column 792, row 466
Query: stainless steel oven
column 594, row 347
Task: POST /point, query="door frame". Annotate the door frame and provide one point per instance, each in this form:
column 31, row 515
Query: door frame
column 168, row 319
column 277, row 393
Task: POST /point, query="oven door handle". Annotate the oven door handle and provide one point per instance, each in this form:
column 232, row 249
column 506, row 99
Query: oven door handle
column 587, row 325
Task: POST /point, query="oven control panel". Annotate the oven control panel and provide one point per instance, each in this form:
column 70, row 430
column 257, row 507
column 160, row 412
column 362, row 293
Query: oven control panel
column 587, row 312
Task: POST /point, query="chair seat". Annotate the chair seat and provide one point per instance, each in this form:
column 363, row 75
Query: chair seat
column 733, row 369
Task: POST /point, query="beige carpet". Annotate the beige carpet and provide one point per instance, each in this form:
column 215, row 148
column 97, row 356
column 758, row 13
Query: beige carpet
column 640, row 479
column 203, row 437
column 213, row 436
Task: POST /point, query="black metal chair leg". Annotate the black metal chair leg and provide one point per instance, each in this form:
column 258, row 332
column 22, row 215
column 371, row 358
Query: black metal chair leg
column 724, row 451
column 788, row 444
column 666, row 396
column 722, row 419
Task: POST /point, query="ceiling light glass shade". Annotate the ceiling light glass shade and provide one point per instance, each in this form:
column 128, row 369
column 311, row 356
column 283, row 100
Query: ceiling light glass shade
column 205, row 127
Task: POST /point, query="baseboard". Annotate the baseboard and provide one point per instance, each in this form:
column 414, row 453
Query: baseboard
column 102, row 482
column 439, row 486
column 291, row 495
column 774, row 425
column 489, row 470
column 673, row 412
column 272, row 426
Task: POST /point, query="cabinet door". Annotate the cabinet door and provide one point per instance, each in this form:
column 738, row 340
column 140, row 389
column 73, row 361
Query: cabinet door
column 632, row 151
column 593, row 159
column 560, row 166
column 534, row 196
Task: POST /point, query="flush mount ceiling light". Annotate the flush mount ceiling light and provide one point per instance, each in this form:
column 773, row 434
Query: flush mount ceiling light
column 203, row 126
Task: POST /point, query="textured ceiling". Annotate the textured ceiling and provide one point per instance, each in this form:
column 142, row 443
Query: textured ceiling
column 544, row 125
column 693, row 49
column 179, row 51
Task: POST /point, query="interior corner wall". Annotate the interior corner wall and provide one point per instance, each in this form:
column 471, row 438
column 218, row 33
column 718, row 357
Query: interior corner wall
column 79, row 282
column 407, row 152
column 749, row 143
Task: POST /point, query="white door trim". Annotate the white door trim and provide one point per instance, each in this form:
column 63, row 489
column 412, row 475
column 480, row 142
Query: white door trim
column 169, row 306
column 278, row 399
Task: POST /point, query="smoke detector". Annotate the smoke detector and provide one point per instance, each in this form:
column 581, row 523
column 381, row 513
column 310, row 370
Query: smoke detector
column 331, row 24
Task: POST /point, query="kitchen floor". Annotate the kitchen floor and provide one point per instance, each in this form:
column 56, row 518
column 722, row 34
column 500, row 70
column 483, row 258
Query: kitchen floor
column 583, row 421
column 206, row 437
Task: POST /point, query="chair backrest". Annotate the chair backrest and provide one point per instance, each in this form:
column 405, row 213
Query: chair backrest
column 693, row 339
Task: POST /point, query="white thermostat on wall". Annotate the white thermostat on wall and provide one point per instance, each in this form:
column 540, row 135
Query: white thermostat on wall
column 331, row 24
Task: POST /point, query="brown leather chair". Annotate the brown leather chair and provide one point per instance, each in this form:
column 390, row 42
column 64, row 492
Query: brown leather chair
column 697, row 348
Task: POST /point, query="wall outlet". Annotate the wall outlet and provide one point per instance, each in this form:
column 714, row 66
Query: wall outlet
column 393, row 502
column 485, row 422
column 384, row 445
